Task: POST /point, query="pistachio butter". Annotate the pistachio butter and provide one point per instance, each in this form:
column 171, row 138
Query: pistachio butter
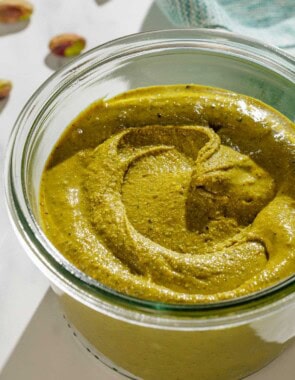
column 177, row 194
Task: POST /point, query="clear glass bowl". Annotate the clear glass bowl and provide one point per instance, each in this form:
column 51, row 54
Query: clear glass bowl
column 144, row 339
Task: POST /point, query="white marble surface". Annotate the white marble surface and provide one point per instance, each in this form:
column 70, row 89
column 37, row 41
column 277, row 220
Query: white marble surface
column 34, row 340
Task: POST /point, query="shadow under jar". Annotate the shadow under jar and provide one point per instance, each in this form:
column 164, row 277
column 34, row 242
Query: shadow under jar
column 140, row 338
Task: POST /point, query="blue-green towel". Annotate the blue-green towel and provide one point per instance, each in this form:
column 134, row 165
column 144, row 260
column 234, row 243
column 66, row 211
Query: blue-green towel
column 272, row 21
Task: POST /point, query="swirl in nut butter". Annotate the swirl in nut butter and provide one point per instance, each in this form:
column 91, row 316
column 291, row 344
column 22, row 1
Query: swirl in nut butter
column 176, row 194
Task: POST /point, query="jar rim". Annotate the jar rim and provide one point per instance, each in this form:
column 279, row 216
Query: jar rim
column 45, row 255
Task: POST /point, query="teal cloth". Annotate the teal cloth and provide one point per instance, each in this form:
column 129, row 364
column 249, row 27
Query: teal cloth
column 272, row 21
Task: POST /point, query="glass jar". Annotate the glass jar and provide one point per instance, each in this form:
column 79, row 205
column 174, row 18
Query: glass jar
column 144, row 339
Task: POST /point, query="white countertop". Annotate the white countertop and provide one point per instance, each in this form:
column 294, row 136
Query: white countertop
column 35, row 342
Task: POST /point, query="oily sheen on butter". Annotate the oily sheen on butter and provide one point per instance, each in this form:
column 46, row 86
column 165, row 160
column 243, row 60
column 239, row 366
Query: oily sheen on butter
column 177, row 194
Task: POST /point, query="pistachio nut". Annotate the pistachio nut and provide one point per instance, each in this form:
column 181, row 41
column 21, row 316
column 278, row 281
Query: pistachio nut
column 5, row 88
column 67, row 45
column 12, row 11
